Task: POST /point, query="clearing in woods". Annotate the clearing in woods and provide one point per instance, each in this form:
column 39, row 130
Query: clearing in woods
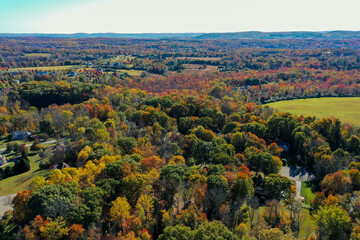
column 48, row 68
column 37, row 55
column 347, row 109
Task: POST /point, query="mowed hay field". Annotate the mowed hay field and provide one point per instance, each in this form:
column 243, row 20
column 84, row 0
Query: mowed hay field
column 38, row 55
column 347, row 109
column 49, row 68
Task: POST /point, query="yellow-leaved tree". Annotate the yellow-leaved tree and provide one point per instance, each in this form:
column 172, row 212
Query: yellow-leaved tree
column 145, row 208
column 120, row 211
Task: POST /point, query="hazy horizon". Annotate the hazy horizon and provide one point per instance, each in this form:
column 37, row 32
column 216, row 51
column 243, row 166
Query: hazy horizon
column 186, row 32
column 161, row 16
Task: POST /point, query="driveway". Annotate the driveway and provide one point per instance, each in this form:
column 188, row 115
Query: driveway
column 297, row 174
column 5, row 203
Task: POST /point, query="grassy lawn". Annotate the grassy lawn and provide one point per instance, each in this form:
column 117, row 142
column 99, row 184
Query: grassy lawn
column 308, row 191
column 20, row 182
column 344, row 108
column 308, row 227
column 4, row 142
column 306, row 230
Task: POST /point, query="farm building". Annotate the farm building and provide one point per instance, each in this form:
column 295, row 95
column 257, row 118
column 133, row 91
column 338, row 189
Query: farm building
column 61, row 166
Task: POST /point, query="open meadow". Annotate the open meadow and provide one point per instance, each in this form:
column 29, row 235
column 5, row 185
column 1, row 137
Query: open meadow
column 37, row 55
column 347, row 109
column 47, row 68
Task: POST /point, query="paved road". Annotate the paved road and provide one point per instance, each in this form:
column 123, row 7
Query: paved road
column 298, row 189
column 29, row 144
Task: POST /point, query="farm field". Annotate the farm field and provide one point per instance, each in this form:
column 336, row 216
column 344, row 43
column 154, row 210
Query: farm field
column 48, row 68
column 37, row 54
column 200, row 58
column 132, row 72
column 345, row 108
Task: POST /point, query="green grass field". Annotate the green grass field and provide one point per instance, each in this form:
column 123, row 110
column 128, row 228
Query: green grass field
column 21, row 182
column 117, row 59
column 37, row 54
column 131, row 72
column 46, row 68
column 200, row 58
column 4, row 142
column 344, row 108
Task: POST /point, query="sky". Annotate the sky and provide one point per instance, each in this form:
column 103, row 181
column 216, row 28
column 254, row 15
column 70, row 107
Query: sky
column 167, row 16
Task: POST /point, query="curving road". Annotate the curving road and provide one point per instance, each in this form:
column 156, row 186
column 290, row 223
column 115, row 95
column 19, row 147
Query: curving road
column 29, row 144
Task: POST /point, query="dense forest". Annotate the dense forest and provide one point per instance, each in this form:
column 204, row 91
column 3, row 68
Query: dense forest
column 168, row 139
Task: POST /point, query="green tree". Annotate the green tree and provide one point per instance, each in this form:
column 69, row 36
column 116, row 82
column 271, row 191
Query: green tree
column 277, row 186
column 47, row 126
column 51, row 201
column 178, row 110
column 214, row 230
column 171, row 177
column 177, row 232
column 281, row 126
column 256, row 128
column 262, row 161
column 202, row 152
column 217, row 192
column 238, row 141
column 333, row 223
column 229, row 127
column 126, row 144
column 353, row 144
column 22, row 165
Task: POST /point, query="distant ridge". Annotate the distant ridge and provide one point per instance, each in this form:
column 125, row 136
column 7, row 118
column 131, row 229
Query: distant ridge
column 330, row 35
column 105, row 35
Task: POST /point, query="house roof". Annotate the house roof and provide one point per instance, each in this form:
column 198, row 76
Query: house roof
column 62, row 165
